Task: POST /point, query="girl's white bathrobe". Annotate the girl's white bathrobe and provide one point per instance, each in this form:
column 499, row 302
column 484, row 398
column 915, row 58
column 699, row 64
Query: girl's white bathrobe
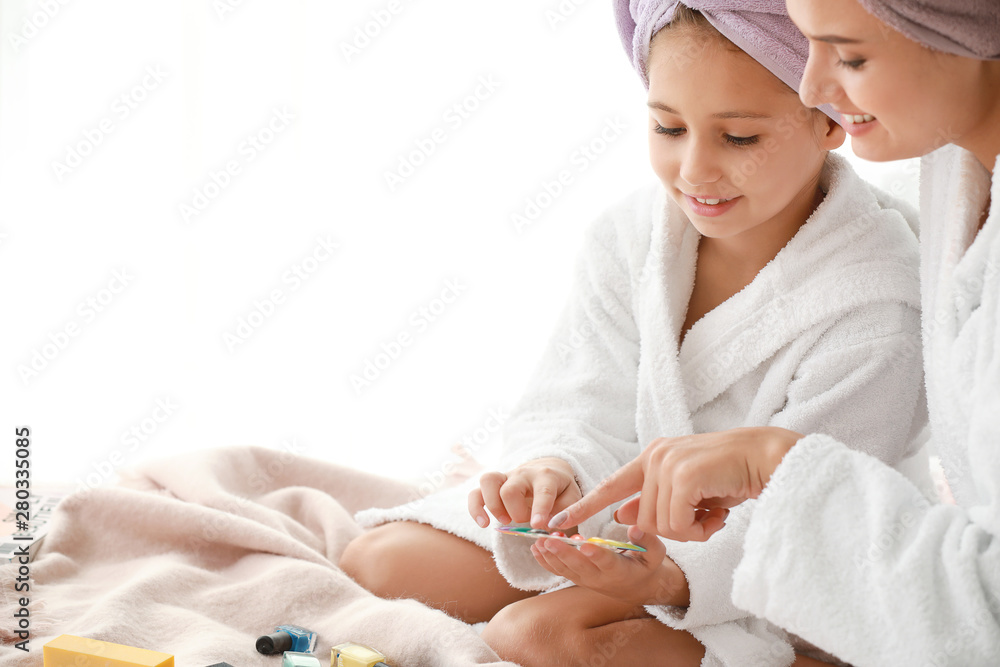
column 846, row 553
column 825, row 339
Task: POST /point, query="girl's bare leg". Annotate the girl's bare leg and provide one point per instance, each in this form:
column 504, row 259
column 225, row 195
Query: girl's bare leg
column 576, row 626
column 414, row 560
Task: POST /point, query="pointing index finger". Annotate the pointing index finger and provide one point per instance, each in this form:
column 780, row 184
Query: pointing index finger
column 621, row 484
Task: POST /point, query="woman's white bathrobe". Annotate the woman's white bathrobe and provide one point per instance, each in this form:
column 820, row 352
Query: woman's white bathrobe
column 847, row 554
column 825, row 339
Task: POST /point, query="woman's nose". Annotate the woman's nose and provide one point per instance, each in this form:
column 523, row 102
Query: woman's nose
column 817, row 86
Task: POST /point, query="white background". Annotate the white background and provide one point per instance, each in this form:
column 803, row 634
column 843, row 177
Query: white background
column 560, row 77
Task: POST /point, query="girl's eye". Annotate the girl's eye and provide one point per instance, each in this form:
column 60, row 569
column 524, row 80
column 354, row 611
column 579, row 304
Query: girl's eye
column 669, row 131
column 851, row 64
column 735, row 141
column 742, row 141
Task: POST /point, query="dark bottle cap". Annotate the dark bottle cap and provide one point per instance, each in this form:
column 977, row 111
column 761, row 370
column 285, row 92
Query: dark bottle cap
column 279, row 642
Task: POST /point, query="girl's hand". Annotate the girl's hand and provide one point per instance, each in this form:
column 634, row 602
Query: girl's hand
column 635, row 578
column 531, row 492
column 688, row 483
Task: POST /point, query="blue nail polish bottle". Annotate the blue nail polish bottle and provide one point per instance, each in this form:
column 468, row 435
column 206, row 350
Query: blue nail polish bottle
column 287, row 638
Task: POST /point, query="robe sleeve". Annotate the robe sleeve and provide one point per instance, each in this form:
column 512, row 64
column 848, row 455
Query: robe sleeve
column 580, row 404
column 846, row 553
column 861, row 369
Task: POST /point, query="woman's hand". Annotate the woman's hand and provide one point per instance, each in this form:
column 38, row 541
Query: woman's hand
column 635, row 578
column 688, row 483
column 531, row 492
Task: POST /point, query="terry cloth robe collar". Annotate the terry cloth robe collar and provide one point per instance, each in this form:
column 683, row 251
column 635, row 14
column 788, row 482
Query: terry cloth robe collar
column 779, row 305
column 956, row 270
column 670, row 266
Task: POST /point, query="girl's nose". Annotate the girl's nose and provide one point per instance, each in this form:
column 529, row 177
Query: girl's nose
column 699, row 164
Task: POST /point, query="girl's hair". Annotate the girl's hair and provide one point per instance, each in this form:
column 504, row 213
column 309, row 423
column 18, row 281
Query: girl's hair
column 692, row 19
column 686, row 18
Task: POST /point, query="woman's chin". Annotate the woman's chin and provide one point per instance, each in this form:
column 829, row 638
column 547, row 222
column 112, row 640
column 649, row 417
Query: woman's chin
column 880, row 148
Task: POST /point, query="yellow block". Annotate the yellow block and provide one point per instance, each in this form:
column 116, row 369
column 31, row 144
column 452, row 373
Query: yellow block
column 72, row 651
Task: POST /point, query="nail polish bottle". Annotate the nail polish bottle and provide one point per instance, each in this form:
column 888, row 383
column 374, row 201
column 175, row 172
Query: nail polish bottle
column 355, row 655
column 299, row 659
column 287, row 638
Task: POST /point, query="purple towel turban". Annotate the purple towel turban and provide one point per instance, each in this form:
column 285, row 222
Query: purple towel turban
column 969, row 28
column 761, row 28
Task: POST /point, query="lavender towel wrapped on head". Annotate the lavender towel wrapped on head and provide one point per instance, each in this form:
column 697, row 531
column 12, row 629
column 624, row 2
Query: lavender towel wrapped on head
column 760, row 27
column 969, row 28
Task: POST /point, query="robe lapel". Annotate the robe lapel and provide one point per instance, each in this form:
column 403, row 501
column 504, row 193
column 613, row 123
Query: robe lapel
column 664, row 292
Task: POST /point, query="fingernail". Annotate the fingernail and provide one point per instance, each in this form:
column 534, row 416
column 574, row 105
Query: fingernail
column 615, row 515
column 537, row 519
column 482, row 521
column 558, row 519
column 637, row 534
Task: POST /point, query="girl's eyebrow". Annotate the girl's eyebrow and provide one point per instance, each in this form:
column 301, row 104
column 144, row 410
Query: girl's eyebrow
column 725, row 115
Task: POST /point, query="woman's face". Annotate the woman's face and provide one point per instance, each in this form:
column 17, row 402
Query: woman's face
column 734, row 147
column 898, row 98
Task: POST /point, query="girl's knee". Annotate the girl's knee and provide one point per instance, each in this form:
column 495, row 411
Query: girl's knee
column 375, row 558
column 529, row 634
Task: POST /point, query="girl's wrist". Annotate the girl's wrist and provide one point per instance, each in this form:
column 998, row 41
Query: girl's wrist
column 670, row 586
column 780, row 444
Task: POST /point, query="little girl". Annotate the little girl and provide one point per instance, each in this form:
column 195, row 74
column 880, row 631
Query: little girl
column 759, row 282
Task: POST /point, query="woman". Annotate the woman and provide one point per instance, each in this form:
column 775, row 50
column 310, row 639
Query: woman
column 842, row 550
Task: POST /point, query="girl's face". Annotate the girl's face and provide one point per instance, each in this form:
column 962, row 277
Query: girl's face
column 904, row 99
column 733, row 146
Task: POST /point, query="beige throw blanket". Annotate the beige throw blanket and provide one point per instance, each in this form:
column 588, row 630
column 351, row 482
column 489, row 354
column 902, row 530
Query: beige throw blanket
column 199, row 555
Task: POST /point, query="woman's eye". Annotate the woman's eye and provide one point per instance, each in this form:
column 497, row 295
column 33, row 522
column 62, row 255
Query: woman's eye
column 851, row 64
column 742, row 141
column 669, row 131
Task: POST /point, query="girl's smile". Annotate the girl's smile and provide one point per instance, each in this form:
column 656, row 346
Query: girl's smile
column 711, row 208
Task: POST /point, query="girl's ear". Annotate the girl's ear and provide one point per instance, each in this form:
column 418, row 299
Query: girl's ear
column 829, row 132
